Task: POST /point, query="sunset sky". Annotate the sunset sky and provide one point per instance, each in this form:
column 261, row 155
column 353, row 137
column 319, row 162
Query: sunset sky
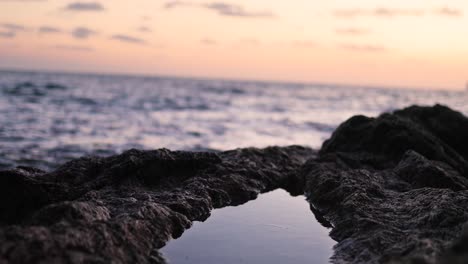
column 418, row 43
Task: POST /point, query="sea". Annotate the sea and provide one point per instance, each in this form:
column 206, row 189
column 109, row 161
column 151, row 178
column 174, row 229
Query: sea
column 49, row 118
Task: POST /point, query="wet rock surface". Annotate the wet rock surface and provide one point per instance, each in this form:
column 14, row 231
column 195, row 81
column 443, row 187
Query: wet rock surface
column 395, row 187
column 122, row 209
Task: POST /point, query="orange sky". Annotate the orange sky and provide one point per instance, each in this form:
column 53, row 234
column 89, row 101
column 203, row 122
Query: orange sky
column 366, row 42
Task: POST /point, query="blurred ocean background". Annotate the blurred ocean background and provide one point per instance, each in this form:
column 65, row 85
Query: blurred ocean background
column 49, row 118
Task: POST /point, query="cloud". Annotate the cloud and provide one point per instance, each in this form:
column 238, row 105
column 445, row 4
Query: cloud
column 84, row 7
column 13, row 27
column 394, row 12
column 363, row 47
column 236, row 10
column 351, row 31
column 7, row 34
column 390, row 12
column 10, row 30
column 222, row 8
column 128, row 39
column 451, row 12
column 49, row 30
column 377, row 12
column 174, row 4
column 144, row 29
column 74, row 48
column 83, row 33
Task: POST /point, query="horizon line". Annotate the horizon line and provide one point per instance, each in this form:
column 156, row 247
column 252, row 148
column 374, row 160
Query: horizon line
column 227, row 79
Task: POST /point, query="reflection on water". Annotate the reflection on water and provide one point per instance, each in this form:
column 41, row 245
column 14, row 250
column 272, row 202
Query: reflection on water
column 275, row 228
column 48, row 118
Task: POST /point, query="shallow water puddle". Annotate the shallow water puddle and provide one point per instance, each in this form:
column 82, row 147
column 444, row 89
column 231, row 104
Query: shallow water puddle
column 274, row 228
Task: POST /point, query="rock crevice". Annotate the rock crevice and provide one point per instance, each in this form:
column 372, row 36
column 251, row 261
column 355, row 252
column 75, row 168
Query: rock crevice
column 393, row 189
column 123, row 208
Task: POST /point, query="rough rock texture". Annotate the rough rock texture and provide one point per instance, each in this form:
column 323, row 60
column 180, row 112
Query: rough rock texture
column 395, row 188
column 123, row 208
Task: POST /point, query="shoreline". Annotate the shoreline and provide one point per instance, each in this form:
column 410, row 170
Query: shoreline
column 394, row 188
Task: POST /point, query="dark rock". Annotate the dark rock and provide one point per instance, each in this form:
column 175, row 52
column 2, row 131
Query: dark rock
column 122, row 209
column 381, row 142
column 394, row 188
column 457, row 253
column 420, row 172
column 446, row 124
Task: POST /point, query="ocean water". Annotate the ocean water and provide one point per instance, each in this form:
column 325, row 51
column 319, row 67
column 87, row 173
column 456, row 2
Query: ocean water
column 274, row 228
column 49, row 118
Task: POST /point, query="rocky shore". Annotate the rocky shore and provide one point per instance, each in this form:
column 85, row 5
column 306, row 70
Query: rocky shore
column 394, row 189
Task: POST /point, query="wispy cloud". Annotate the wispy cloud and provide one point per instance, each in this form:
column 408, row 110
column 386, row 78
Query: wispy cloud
column 10, row 30
column 352, row 31
column 7, row 34
column 84, row 7
column 236, row 10
column 144, row 29
column 363, row 47
column 128, row 39
column 222, row 8
column 395, row 12
column 174, row 4
column 13, row 27
column 451, row 12
column 377, row 12
column 74, row 48
column 83, row 33
column 49, row 30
